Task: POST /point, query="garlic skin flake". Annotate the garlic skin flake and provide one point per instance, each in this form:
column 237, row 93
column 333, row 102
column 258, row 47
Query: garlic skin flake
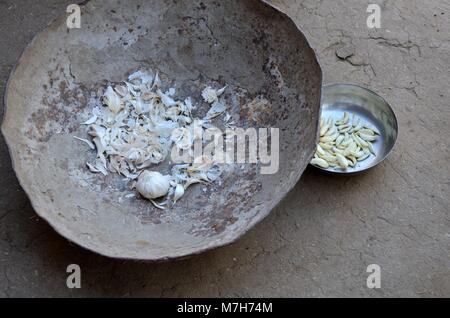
column 217, row 109
column 152, row 185
column 179, row 192
column 87, row 142
column 112, row 100
column 211, row 95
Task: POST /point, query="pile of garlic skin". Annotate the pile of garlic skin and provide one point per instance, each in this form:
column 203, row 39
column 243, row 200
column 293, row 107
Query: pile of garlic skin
column 134, row 128
column 343, row 143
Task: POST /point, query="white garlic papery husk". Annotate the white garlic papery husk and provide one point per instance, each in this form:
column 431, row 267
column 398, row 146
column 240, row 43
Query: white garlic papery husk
column 141, row 76
column 112, row 100
column 217, row 109
column 182, row 138
column 152, row 185
column 211, row 95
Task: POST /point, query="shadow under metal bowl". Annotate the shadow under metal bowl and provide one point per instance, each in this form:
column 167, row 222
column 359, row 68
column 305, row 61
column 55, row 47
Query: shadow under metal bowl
column 371, row 109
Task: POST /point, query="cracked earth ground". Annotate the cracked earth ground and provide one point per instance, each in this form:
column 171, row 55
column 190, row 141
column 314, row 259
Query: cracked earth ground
column 321, row 238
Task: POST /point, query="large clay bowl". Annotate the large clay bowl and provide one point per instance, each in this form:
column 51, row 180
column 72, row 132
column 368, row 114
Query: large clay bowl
column 244, row 43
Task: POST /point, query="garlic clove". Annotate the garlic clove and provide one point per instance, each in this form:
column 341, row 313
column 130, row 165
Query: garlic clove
column 320, row 162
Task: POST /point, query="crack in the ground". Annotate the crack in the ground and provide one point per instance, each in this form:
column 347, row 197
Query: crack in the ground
column 408, row 45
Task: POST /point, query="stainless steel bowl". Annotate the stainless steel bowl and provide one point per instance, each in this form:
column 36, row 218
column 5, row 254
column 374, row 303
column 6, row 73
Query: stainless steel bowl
column 372, row 109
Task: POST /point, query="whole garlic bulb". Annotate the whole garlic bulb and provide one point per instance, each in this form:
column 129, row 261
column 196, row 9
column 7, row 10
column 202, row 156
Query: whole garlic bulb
column 152, row 185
